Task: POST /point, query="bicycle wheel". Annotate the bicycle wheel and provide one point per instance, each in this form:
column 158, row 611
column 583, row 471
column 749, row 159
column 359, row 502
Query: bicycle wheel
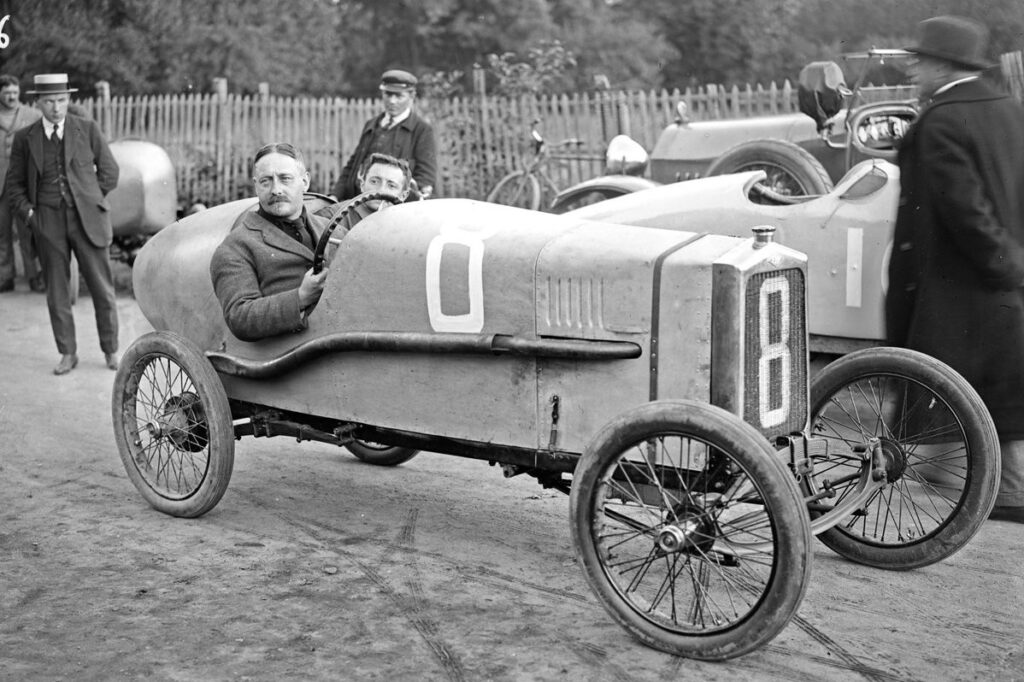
column 519, row 189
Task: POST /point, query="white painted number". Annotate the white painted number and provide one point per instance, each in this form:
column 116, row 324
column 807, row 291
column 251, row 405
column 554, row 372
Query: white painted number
column 472, row 321
column 772, row 351
column 5, row 39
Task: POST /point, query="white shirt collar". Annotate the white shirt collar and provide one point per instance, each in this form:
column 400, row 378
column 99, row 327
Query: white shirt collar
column 48, row 128
column 397, row 119
column 952, row 84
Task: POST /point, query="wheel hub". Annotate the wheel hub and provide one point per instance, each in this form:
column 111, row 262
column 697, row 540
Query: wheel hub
column 893, row 459
column 693, row 531
column 182, row 421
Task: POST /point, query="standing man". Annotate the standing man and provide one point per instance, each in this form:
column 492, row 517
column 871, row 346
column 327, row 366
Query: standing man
column 13, row 117
column 956, row 277
column 61, row 171
column 399, row 132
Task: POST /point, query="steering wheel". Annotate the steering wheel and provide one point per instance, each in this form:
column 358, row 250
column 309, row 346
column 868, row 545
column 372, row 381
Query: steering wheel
column 321, row 246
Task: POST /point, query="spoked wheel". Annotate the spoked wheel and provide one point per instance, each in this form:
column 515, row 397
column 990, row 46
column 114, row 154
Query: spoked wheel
column 931, row 437
column 519, row 189
column 380, row 454
column 172, row 424
column 791, row 169
column 690, row 530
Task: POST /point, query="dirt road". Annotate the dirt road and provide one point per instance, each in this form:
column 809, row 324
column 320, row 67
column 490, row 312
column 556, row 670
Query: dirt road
column 316, row 566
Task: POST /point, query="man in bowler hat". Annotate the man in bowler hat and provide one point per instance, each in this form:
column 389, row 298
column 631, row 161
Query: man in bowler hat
column 398, row 131
column 956, row 276
column 60, row 173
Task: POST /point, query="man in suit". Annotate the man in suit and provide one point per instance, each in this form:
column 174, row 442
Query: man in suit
column 398, row 131
column 956, row 276
column 262, row 271
column 61, row 171
column 13, row 117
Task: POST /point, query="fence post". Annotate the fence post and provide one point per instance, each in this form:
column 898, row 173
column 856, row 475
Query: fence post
column 220, row 89
column 264, row 94
column 480, row 90
column 103, row 102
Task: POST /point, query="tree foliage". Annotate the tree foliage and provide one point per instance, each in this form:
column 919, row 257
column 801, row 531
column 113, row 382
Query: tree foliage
column 339, row 47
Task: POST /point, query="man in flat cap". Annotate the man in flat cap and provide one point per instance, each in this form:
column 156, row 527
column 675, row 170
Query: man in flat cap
column 956, row 276
column 60, row 174
column 398, row 131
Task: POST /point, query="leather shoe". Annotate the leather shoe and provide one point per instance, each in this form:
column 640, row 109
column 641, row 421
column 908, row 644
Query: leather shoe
column 37, row 284
column 111, row 359
column 66, row 364
column 1015, row 514
column 6, row 285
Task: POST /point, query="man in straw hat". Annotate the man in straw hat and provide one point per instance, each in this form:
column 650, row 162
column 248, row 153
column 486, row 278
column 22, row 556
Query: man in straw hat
column 956, row 276
column 397, row 131
column 61, row 171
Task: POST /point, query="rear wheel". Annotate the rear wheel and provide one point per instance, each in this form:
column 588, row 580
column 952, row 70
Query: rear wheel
column 381, row 455
column 172, row 424
column 937, row 445
column 791, row 169
column 519, row 189
column 690, row 530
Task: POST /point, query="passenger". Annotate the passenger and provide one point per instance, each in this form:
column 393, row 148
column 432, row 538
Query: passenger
column 380, row 173
column 263, row 270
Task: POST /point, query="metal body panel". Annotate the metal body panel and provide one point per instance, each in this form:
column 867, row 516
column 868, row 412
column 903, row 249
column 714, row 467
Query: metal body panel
column 146, row 197
column 846, row 234
column 464, row 267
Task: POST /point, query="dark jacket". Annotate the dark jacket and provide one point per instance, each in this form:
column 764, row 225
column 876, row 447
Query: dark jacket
column 91, row 171
column 256, row 273
column 413, row 140
column 957, row 266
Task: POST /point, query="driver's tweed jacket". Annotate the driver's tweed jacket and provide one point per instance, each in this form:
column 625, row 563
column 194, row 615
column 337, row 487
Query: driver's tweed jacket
column 956, row 276
column 256, row 273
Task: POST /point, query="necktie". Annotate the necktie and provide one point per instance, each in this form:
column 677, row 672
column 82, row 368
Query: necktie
column 54, row 135
column 386, row 122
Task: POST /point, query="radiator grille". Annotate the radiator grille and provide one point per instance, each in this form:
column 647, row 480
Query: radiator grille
column 775, row 362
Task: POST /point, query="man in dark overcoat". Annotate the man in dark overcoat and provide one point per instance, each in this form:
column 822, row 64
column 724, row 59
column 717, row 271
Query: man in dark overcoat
column 957, row 267
column 262, row 271
column 60, row 174
column 397, row 131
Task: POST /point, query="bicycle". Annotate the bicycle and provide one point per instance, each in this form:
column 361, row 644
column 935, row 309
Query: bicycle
column 525, row 187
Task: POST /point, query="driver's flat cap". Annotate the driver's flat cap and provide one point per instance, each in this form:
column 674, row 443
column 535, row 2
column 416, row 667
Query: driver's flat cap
column 397, row 80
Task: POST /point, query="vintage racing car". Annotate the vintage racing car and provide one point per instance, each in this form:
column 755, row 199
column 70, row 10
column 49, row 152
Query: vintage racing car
column 846, row 234
column 801, row 154
column 659, row 377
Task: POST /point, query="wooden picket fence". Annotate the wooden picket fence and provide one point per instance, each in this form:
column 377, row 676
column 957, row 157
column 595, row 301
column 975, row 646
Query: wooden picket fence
column 211, row 137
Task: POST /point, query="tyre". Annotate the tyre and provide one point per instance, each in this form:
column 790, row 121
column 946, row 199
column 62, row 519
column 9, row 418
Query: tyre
column 578, row 200
column 939, row 448
column 519, row 189
column 381, row 455
column 690, row 530
column 791, row 169
column 172, row 424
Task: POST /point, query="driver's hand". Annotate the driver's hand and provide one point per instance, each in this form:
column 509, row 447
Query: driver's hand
column 311, row 288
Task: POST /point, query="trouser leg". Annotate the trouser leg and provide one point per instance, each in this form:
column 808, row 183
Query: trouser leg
column 94, row 262
column 6, row 240
column 1011, row 481
column 55, row 253
column 26, row 243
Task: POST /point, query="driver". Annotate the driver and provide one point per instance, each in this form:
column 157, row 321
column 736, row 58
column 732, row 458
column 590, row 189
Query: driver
column 263, row 271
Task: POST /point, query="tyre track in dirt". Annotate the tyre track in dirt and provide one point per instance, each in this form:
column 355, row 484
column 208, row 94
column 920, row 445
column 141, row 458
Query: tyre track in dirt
column 410, row 605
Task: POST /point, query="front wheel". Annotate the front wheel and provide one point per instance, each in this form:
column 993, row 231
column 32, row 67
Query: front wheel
column 936, row 446
column 519, row 189
column 690, row 530
column 172, row 425
column 379, row 454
